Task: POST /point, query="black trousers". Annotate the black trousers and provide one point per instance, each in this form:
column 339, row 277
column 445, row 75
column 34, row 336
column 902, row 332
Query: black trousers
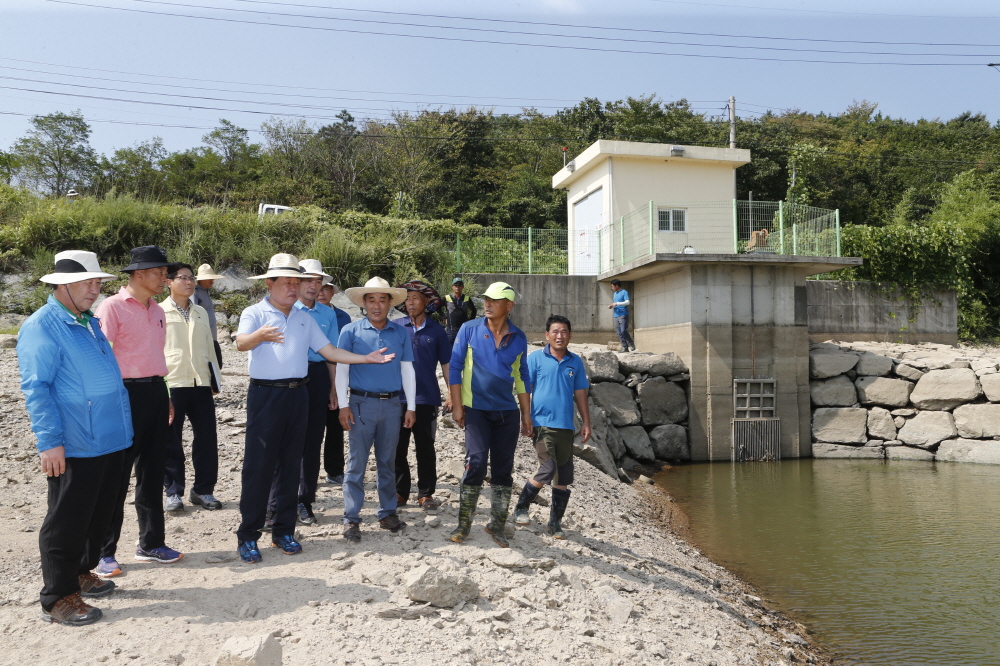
column 490, row 439
column 150, row 406
column 318, row 389
column 276, row 428
column 333, row 448
column 81, row 508
column 424, row 431
column 197, row 404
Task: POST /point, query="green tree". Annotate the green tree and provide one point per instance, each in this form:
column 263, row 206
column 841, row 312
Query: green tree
column 56, row 153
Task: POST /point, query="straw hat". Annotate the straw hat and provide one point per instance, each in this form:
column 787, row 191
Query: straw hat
column 205, row 272
column 76, row 266
column 375, row 286
column 314, row 267
column 281, row 265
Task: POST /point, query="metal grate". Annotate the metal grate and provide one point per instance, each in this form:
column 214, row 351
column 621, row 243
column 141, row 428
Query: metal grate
column 753, row 398
column 756, row 439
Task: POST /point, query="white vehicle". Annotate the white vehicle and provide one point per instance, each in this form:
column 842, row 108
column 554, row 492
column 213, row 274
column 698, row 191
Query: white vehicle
column 272, row 209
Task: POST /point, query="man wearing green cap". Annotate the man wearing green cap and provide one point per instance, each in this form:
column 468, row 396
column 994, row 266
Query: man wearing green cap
column 488, row 366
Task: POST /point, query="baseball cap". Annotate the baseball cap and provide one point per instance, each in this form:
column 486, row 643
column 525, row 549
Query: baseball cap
column 500, row 290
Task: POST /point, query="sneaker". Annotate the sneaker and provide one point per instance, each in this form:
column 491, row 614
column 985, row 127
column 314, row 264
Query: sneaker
column 249, row 552
column 205, row 501
column 287, row 544
column 108, row 567
column 268, row 521
column 335, row 480
column 352, row 532
column 306, row 516
column 72, row 610
column 428, row 504
column 163, row 555
column 391, row 523
column 92, row 586
column 173, row 503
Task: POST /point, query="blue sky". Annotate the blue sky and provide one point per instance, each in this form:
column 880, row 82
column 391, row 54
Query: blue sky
column 120, row 52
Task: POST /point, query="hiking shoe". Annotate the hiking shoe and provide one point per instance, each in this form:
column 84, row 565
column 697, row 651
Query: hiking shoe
column 428, row 504
column 287, row 544
column 306, row 515
column 352, row 532
column 108, row 567
column 173, row 503
column 391, row 523
column 205, row 501
column 335, row 480
column 249, row 552
column 268, row 521
column 521, row 517
column 163, row 555
column 92, row 586
column 72, row 610
column 401, row 500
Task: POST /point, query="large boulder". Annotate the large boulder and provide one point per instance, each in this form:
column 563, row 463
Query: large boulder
column 946, row 389
column 670, row 442
column 907, row 371
column 927, row 429
column 263, row 650
column 8, row 341
column 969, row 450
column 824, row 363
column 908, row 453
column 661, row 402
column 977, row 421
column 601, row 366
column 827, row 450
column 833, row 392
column 873, row 365
column 881, row 424
column 991, row 386
column 618, row 402
column 444, row 590
column 605, row 445
column 840, row 425
column 637, row 442
column 883, row 391
column 654, row 365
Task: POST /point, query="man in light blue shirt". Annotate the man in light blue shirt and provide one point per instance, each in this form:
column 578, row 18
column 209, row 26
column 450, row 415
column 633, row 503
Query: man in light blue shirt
column 620, row 305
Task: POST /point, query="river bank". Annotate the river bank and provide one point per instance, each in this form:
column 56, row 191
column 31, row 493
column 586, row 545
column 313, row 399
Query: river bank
column 623, row 589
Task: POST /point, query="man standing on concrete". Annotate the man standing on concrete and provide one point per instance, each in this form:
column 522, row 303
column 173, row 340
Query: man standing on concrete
column 430, row 348
column 333, row 445
column 620, row 306
column 459, row 308
column 371, row 413
column 558, row 380
column 488, row 366
column 135, row 325
column 193, row 365
column 80, row 414
column 279, row 336
column 202, row 296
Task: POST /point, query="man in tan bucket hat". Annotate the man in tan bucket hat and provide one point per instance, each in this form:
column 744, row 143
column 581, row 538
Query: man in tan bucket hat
column 205, row 278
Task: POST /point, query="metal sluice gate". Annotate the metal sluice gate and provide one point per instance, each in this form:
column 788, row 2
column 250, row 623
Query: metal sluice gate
column 756, row 431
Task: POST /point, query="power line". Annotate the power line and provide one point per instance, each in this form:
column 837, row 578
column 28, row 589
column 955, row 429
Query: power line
column 818, row 11
column 524, row 44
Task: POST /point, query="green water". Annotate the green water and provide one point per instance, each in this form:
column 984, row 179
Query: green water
column 885, row 562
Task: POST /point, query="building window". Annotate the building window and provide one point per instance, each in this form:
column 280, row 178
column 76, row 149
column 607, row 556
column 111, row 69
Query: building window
column 672, row 219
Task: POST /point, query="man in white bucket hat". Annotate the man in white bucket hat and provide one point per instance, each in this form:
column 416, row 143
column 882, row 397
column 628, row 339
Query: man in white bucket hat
column 279, row 336
column 205, row 278
column 79, row 412
column 372, row 413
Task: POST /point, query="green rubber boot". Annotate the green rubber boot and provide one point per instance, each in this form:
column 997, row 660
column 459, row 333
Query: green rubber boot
column 560, row 498
column 499, row 507
column 468, row 498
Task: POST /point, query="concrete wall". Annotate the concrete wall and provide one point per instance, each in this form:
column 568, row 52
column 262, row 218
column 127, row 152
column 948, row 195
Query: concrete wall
column 859, row 311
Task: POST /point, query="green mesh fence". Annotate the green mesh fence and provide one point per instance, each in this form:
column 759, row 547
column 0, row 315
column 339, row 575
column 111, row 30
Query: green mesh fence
column 495, row 250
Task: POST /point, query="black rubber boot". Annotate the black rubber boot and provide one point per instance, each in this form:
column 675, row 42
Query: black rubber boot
column 528, row 495
column 560, row 498
column 499, row 508
column 468, row 498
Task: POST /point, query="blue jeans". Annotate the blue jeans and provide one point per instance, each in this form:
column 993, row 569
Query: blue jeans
column 376, row 422
column 621, row 328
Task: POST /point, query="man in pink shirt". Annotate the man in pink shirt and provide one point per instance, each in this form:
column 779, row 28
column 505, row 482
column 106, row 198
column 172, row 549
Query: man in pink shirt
column 135, row 325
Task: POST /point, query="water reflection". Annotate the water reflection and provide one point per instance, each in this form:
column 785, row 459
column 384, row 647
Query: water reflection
column 887, row 562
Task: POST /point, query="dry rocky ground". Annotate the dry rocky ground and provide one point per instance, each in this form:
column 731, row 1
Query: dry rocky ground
column 624, row 589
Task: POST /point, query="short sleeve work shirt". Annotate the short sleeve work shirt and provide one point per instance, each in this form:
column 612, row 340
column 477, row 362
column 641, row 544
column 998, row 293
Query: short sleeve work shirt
column 137, row 334
column 360, row 337
column 284, row 360
column 553, row 383
column 326, row 319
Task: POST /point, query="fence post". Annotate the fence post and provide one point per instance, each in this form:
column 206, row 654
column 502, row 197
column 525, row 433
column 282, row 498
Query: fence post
column 600, row 248
column 736, row 226
column 458, row 252
column 652, row 235
column 622, row 238
column 781, row 225
column 795, row 238
column 530, row 254
column 837, row 222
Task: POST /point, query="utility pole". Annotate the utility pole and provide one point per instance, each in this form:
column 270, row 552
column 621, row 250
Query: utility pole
column 732, row 122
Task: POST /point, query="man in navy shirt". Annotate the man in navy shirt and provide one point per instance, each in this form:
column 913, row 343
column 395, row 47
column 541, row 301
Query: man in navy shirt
column 620, row 306
column 430, row 347
column 371, row 415
column 333, row 446
column 558, row 380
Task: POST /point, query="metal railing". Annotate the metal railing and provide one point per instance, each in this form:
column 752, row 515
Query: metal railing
column 499, row 250
column 719, row 227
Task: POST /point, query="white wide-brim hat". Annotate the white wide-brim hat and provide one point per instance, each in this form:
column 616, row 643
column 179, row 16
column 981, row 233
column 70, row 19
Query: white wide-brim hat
column 281, row 265
column 205, row 272
column 375, row 286
column 76, row 266
column 314, row 267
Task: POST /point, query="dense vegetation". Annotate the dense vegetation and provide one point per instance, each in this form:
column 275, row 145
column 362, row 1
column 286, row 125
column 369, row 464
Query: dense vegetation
column 921, row 198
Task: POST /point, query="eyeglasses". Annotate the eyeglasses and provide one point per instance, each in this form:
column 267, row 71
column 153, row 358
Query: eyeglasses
column 185, row 278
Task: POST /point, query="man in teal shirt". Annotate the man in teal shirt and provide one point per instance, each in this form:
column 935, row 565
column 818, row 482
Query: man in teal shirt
column 620, row 305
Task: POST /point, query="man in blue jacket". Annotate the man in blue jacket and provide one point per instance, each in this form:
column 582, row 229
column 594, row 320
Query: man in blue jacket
column 79, row 412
